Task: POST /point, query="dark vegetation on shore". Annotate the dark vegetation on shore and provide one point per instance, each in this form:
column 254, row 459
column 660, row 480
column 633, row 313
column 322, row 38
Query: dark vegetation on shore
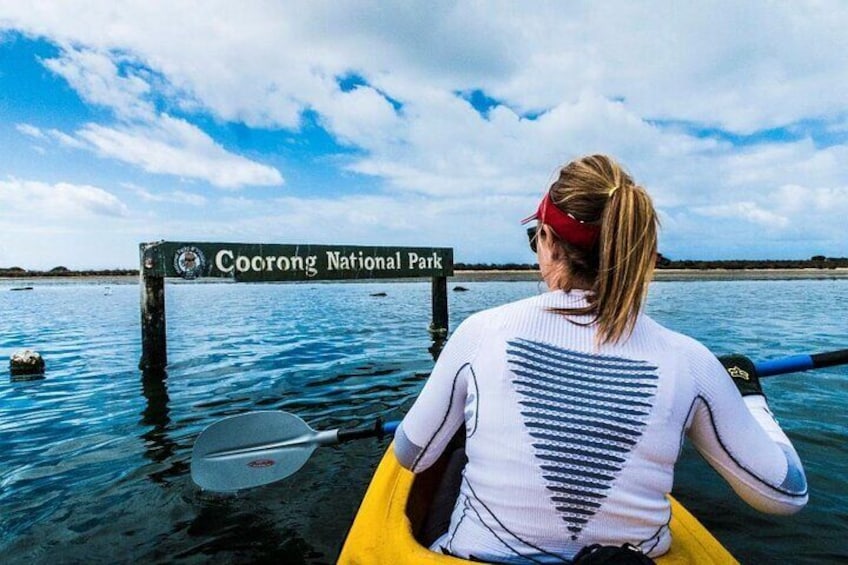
column 18, row 272
column 816, row 262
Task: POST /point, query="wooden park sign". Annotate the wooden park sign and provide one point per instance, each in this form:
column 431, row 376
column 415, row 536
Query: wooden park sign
column 256, row 262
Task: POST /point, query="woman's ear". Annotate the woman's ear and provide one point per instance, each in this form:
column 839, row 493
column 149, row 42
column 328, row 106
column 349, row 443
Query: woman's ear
column 547, row 239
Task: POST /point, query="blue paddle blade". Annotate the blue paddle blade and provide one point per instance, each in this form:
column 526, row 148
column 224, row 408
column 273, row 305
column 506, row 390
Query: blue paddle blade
column 253, row 449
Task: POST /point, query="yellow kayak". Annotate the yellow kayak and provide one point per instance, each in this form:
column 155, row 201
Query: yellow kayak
column 396, row 502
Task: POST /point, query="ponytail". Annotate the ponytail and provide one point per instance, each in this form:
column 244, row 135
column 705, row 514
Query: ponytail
column 619, row 266
column 627, row 250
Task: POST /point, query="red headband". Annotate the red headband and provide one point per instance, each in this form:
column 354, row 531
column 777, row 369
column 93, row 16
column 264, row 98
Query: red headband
column 565, row 226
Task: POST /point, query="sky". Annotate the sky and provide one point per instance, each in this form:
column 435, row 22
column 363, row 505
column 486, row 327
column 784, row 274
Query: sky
column 415, row 123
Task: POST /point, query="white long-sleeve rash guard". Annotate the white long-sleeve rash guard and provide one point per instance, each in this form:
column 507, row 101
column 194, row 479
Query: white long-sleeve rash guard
column 569, row 444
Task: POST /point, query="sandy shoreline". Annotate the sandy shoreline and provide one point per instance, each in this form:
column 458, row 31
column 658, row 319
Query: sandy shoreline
column 487, row 276
column 750, row 274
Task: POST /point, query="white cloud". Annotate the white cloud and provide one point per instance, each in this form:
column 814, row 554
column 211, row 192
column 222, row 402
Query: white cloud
column 66, row 140
column 450, row 149
column 33, row 201
column 166, row 145
column 760, row 170
column 97, row 79
column 155, row 142
column 745, row 212
column 176, row 147
column 273, row 61
column 362, row 117
column 815, row 213
column 61, row 137
column 175, row 196
column 30, row 130
column 742, row 66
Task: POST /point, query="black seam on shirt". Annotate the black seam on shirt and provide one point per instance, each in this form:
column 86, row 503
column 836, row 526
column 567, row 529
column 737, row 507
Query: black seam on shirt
column 451, row 536
column 656, row 535
column 515, row 551
column 477, row 397
column 685, row 429
column 492, row 514
column 738, row 464
column 656, row 543
column 442, row 423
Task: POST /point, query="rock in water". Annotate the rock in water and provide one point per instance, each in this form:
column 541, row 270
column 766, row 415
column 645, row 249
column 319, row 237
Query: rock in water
column 26, row 362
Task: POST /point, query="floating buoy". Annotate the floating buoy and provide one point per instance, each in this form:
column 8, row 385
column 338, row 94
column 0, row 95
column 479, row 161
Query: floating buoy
column 26, row 362
column 460, row 289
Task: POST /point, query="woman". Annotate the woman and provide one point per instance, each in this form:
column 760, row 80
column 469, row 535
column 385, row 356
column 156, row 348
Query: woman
column 575, row 403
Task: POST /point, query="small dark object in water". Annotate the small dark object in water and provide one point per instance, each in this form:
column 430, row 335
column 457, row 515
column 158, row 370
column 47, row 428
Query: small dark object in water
column 21, row 288
column 26, row 362
column 460, row 289
column 379, row 294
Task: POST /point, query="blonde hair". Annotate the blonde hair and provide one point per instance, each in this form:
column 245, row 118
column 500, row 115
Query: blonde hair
column 619, row 267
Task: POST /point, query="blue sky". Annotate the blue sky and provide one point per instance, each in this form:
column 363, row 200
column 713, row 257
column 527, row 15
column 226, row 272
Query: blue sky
column 422, row 124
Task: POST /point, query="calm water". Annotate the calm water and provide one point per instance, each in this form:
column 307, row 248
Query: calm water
column 94, row 457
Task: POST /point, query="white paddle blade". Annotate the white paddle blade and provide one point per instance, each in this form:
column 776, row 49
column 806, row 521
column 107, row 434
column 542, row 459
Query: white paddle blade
column 250, row 450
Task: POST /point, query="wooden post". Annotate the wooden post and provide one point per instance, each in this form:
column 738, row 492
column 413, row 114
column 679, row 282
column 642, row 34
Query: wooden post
column 154, row 345
column 439, row 325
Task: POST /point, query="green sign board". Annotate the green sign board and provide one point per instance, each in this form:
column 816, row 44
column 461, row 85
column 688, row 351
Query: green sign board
column 258, row 262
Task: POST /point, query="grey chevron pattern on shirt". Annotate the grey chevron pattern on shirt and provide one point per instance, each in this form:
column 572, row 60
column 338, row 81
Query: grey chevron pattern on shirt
column 585, row 414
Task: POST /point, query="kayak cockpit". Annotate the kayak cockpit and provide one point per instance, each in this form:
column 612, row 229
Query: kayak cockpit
column 394, row 522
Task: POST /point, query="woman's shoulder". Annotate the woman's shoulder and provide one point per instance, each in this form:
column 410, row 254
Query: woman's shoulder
column 685, row 354
column 517, row 308
column 504, row 313
column 675, row 341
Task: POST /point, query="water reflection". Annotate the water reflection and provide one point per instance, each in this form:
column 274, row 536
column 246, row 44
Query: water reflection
column 158, row 446
column 230, row 533
column 26, row 377
column 436, row 347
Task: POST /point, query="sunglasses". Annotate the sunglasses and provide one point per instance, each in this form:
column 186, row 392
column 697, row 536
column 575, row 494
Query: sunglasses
column 532, row 234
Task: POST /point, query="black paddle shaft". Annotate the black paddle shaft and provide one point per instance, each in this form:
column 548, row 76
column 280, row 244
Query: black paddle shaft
column 377, row 430
column 830, row 358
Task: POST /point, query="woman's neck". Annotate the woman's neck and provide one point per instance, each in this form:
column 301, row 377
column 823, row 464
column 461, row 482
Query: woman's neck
column 562, row 279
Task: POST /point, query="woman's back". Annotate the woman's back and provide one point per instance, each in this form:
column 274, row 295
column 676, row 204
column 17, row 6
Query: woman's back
column 551, row 427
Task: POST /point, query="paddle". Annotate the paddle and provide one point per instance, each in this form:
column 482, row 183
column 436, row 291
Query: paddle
column 258, row 448
column 795, row 363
